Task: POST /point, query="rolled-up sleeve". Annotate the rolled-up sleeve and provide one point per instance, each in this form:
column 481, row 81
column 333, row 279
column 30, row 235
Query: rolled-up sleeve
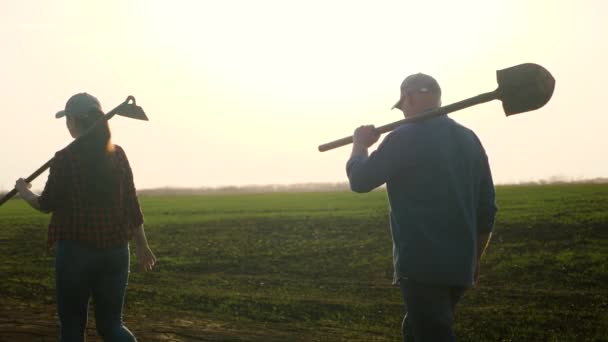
column 367, row 173
column 53, row 194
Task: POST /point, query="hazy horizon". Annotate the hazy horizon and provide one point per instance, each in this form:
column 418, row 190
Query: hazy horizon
column 315, row 187
column 242, row 93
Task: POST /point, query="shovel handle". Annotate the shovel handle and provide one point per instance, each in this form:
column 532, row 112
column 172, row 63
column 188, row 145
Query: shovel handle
column 336, row 143
column 485, row 97
column 381, row 130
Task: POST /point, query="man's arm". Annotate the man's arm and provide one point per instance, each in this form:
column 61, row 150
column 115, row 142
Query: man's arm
column 360, row 147
column 366, row 173
column 483, row 241
column 363, row 138
column 486, row 212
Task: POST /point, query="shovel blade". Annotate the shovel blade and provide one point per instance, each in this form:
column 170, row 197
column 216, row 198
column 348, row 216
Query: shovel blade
column 524, row 87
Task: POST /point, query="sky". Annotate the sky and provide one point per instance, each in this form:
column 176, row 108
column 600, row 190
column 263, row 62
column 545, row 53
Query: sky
column 243, row 92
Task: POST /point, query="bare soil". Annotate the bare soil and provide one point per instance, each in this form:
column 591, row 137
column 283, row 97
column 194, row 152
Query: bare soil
column 21, row 321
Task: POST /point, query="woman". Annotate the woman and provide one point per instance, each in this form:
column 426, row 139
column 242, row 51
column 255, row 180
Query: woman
column 95, row 212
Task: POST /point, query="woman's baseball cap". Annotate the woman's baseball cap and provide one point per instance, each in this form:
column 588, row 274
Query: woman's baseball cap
column 80, row 105
column 419, row 83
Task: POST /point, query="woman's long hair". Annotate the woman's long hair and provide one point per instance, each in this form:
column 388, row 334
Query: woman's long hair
column 96, row 153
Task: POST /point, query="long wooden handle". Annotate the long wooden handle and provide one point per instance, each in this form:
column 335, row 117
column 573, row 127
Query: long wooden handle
column 485, row 97
column 46, row 165
column 29, row 179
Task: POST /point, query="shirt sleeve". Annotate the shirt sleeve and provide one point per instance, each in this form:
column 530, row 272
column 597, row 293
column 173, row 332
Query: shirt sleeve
column 487, row 208
column 54, row 191
column 367, row 173
column 134, row 214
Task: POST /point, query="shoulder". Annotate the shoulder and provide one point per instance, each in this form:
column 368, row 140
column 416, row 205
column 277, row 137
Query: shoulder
column 396, row 139
column 458, row 125
column 63, row 156
column 463, row 129
column 119, row 152
column 62, row 162
column 118, row 149
column 63, row 153
column 469, row 136
column 404, row 132
column 121, row 157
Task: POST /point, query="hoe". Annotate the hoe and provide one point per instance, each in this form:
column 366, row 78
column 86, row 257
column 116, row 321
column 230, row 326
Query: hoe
column 128, row 109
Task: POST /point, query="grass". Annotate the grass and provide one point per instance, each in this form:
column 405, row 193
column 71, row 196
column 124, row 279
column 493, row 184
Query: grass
column 319, row 264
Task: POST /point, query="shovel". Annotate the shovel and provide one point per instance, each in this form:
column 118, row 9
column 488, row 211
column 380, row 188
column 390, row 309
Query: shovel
column 128, row 109
column 521, row 88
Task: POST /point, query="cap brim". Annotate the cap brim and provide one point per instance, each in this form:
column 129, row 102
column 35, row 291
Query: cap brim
column 60, row 114
column 397, row 104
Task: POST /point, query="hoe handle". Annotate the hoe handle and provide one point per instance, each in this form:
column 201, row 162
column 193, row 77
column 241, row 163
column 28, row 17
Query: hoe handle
column 29, row 179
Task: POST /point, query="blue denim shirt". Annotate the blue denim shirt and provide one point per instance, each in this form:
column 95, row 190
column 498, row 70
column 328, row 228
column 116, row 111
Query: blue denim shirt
column 441, row 198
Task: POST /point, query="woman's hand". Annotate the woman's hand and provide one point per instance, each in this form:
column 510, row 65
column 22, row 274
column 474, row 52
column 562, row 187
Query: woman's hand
column 146, row 258
column 22, row 186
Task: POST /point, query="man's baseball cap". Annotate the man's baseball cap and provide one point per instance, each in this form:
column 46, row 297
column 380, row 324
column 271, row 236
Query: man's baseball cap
column 419, row 83
column 80, row 105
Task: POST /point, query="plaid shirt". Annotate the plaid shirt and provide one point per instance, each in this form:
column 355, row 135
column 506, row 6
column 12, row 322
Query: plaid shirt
column 72, row 219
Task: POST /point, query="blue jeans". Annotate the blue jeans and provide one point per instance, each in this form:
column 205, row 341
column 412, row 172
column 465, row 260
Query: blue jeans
column 429, row 311
column 82, row 272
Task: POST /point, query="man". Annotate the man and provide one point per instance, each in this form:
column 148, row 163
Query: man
column 442, row 206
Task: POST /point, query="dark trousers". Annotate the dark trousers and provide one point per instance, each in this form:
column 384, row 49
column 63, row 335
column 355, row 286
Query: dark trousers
column 82, row 272
column 429, row 311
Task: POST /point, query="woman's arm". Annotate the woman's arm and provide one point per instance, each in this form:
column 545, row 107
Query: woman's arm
column 134, row 215
column 143, row 251
column 31, row 198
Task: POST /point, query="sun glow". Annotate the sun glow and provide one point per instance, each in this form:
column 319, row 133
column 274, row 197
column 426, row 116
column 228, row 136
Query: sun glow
column 243, row 91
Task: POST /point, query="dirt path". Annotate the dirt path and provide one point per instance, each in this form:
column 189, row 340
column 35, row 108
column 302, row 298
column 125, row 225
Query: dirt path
column 21, row 321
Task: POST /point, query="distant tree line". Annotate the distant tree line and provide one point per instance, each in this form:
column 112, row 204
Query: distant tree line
column 312, row 187
column 303, row 187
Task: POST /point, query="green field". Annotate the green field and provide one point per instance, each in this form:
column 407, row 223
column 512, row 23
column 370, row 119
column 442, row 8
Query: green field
column 317, row 266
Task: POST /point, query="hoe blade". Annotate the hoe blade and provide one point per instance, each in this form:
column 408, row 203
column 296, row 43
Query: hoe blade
column 131, row 110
